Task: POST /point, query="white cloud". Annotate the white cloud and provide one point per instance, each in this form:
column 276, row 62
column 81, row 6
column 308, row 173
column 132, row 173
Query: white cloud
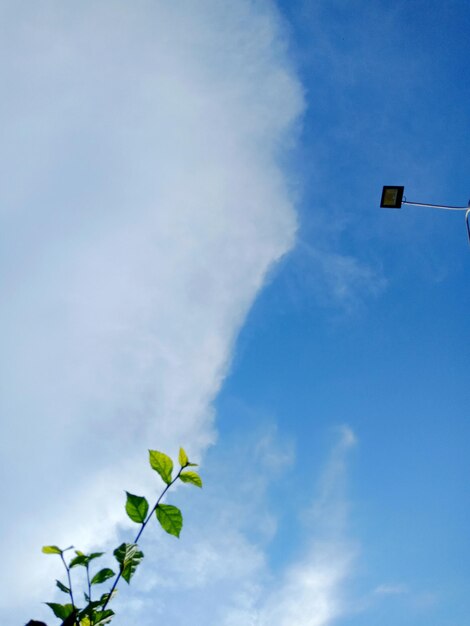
column 340, row 279
column 391, row 590
column 274, row 455
column 220, row 571
column 311, row 593
column 143, row 207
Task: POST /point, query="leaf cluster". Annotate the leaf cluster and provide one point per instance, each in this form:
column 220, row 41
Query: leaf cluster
column 128, row 555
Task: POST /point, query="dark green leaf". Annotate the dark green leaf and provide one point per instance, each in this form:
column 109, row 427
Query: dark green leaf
column 128, row 556
column 137, row 508
column 51, row 550
column 170, row 519
column 84, row 559
column 102, row 575
column 90, row 608
column 183, row 458
column 95, row 618
column 80, row 559
column 61, row 611
column 162, row 464
column 62, row 587
column 102, row 617
column 71, row 620
column 105, row 598
column 191, row 477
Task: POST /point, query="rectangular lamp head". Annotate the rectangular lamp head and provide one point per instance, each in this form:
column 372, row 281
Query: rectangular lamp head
column 392, row 197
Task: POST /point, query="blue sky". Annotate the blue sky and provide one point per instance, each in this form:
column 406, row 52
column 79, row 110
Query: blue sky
column 192, row 252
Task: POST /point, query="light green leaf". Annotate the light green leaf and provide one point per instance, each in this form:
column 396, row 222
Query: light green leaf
column 162, row 464
column 62, row 611
column 128, row 556
column 137, row 508
column 95, row 555
column 62, row 587
column 102, row 575
column 183, row 458
column 191, row 477
column 51, row 550
column 170, row 519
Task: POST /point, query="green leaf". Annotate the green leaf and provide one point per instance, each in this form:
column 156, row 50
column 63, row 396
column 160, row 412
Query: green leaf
column 51, row 550
column 71, row 620
column 90, row 617
column 62, row 587
column 89, row 611
column 106, row 597
column 80, row 559
column 183, row 458
column 162, row 464
column 62, row 611
column 191, row 477
column 90, row 608
column 128, row 556
column 137, row 508
column 170, row 519
column 102, row 575
column 84, row 559
column 102, row 617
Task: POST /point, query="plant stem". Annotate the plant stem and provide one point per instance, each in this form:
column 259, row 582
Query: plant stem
column 144, row 524
column 88, row 580
column 67, row 569
column 89, row 591
column 156, row 504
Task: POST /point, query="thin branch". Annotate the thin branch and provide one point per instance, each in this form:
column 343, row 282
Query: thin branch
column 67, row 569
column 144, row 524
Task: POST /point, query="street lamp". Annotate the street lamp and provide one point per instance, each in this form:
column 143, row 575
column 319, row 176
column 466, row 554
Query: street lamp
column 393, row 198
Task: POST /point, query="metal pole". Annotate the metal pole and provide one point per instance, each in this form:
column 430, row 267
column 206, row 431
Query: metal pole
column 438, row 206
column 446, row 207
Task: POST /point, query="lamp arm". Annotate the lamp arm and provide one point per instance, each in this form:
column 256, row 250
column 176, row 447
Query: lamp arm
column 437, row 206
